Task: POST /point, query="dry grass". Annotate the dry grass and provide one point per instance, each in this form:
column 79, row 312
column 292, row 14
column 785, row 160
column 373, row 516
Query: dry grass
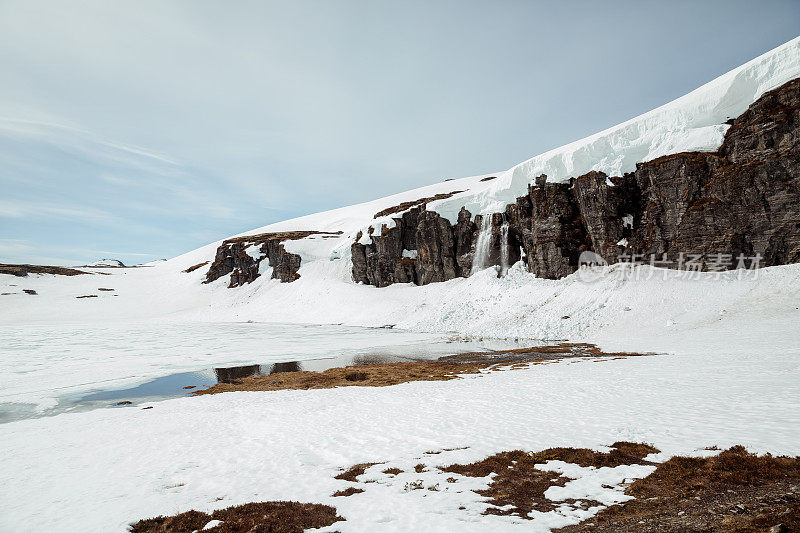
column 522, row 486
column 195, row 267
column 24, row 270
column 735, row 491
column 393, row 471
column 279, row 236
column 354, row 471
column 414, row 203
column 349, row 491
column 386, row 374
column 264, row 517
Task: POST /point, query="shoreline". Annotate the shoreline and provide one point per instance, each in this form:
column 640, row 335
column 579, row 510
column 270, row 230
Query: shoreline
column 394, row 373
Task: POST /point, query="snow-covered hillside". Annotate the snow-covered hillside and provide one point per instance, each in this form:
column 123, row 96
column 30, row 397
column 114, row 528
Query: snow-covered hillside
column 694, row 122
column 726, row 372
column 106, row 263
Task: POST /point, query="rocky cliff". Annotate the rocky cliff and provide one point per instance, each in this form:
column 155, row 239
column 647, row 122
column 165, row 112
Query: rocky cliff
column 241, row 257
column 742, row 200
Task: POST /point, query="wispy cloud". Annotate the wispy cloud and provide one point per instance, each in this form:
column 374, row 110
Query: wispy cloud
column 32, row 210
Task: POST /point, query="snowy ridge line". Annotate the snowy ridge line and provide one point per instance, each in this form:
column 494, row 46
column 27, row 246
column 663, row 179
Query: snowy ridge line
column 693, row 122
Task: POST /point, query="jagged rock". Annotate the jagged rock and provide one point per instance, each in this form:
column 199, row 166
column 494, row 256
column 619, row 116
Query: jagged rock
column 382, row 262
column 604, row 208
column 558, row 234
column 232, row 257
column 743, row 199
column 436, row 247
column 464, row 235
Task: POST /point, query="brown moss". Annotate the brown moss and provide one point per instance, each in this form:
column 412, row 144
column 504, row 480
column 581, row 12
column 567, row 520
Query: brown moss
column 349, row 491
column 520, row 485
column 280, row 236
column 354, row 471
column 387, row 374
column 272, row 517
column 735, row 491
column 195, row 267
column 393, row 471
column 414, row 203
column 24, row 270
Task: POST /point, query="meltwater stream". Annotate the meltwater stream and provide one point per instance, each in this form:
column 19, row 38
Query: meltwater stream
column 46, row 370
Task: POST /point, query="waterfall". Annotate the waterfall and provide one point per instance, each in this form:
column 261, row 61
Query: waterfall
column 504, row 247
column 481, row 256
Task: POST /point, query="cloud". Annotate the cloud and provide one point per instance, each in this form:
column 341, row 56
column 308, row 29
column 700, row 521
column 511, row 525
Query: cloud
column 32, row 210
column 163, row 123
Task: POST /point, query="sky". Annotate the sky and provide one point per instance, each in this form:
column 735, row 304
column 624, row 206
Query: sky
column 142, row 130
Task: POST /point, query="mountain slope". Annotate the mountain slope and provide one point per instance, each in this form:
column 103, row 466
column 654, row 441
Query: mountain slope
column 433, row 233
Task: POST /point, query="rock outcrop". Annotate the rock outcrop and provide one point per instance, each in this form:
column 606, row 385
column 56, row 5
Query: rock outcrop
column 743, row 200
column 241, row 257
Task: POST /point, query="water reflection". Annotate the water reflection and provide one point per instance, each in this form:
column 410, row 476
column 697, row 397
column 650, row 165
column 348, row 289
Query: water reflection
column 185, row 383
column 235, row 373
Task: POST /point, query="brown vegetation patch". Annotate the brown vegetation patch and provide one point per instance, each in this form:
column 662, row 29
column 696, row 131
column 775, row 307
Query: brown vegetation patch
column 354, row 471
column 24, row 270
column 394, row 471
column 87, row 296
column 195, row 267
column 414, row 203
column 549, row 352
column 349, row 491
column 735, row 491
column 30, row 291
column 280, row 236
column 386, row 374
column 105, row 290
column 522, row 486
column 490, row 178
column 264, row 517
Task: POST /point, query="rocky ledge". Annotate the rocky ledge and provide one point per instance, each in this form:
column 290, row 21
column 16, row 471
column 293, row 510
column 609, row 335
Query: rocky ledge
column 742, row 200
column 241, row 257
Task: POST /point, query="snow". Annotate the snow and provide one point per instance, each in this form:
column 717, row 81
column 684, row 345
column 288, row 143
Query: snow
column 106, row 263
column 728, row 375
column 695, row 121
column 722, row 385
column 726, row 371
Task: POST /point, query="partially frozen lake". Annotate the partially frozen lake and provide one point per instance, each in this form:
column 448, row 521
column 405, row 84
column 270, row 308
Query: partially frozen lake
column 45, row 369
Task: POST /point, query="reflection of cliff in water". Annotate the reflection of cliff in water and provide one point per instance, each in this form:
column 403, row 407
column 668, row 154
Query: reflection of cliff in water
column 291, row 366
column 231, row 374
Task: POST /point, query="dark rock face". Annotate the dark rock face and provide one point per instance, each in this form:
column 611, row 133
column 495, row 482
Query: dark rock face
column 232, row 257
column 743, row 199
column 557, row 235
column 604, row 208
column 464, row 234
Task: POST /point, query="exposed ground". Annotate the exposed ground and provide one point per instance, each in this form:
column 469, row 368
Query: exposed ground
column 24, row 270
column 735, row 491
column 279, row 236
column 195, row 267
column 403, row 206
column 519, row 487
column 264, row 517
column 385, row 374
